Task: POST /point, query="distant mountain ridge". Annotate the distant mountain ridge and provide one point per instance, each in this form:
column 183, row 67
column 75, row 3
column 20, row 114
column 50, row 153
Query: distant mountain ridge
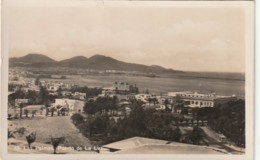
column 96, row 62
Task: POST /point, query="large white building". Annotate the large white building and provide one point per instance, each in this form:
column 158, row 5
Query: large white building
column 195, row 99
column 72, row 104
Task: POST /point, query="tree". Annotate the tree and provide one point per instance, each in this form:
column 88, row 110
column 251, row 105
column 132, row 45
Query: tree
column 37, row 81
column 101, row 104
column 34, row 112
column 90, row 92
column 90, row 107
column 26, row 111
column 153, row 100
column 44, row 96
column 10, row 134
column 21, row 105
column 178, row 107
column 135, row 123
column 176, row 136
column 166, row 103
column 32, row 96
column 18, row 94
column 31, row 138
column 196, row 135
column 52, row 111
column 229, row 119
column 56, row 142
column 99, row 125
column 59, row 91
column 47, row 111
column 178, row 99
column 133, row 89
column 63, row 111
column 77, row 118
column 21, row 131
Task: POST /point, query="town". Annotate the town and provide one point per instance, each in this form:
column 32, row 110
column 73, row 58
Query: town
column 112, row 116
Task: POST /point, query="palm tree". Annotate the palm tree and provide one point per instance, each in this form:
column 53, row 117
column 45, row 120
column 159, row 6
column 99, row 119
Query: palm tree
column 26, row 111
column 34, row 112
column 55, row 143
column 166, row 102
column 52, row 111
column 192, row 121
column 21, row 109
column 31, row 138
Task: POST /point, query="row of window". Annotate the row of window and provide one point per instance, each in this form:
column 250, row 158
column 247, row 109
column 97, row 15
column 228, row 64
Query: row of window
column 121, row 83
column 185, row 95
column 202, row 103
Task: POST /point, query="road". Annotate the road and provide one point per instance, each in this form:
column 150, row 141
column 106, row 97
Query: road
column 213, row 140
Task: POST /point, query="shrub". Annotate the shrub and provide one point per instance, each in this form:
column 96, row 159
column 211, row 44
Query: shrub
column 21, row 131
column 10, row 134
column 77, row 118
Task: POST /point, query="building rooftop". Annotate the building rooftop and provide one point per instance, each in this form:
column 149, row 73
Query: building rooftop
column 171, row 149
column 133, row 143
column 34, row 107
column 140, row 145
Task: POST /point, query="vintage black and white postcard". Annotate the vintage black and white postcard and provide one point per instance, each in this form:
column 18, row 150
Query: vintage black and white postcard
column 127, row 79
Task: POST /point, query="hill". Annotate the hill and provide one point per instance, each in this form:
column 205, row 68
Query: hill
column 101, row 62
column 77, row 61
column 31, row 60
column 96, row 62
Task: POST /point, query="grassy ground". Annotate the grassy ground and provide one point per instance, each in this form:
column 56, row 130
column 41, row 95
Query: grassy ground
column 50, row 127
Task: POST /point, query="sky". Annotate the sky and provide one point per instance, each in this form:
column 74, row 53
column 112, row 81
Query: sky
column 188, row 39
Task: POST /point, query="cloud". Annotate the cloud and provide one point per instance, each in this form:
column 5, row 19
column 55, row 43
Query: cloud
column 182, row 39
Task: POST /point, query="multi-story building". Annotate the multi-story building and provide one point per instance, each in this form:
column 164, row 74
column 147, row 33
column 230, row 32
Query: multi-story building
column 108, row 92
column 122, row 87
column 195, row 99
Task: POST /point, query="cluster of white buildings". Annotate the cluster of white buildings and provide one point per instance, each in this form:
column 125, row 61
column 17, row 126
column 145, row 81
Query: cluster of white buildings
column 54, row 86
column 75, row 101
column 158, row 102
column 72, row 105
